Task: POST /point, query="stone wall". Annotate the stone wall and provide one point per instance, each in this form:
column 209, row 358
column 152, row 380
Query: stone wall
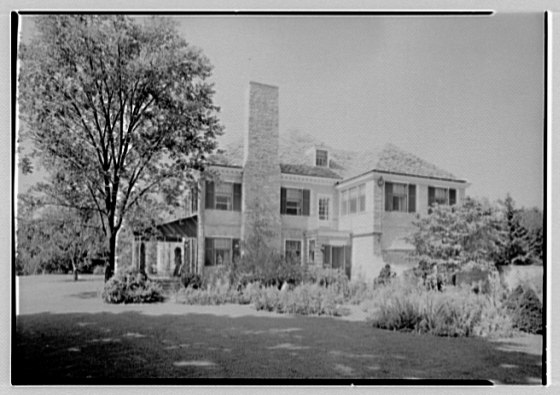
column 261, row 168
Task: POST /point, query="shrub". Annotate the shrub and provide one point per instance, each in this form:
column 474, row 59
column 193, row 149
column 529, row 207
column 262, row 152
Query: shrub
column 404, row 306
column 359, row 291
column 385, row 276
column 191, row 280
column 304, row 299
column 199, row 296
column 98, row 270
column 129, row 286
column 334, row 279
column 526, row 310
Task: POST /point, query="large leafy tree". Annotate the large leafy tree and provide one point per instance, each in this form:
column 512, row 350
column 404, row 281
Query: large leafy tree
column 451, row 237
column 121, row 108
column 53, row 238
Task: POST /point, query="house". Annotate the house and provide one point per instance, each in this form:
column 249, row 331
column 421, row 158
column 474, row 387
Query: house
column 322, row 206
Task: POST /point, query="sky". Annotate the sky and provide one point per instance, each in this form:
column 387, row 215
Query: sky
column 465, row 93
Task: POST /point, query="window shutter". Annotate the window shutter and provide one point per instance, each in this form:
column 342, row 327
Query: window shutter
column 452, row 197
column 306, row 195
column 209, row 195
column 388, row 196
column 282, row 200
column 209, row 252
column 236, row 249
column 236, row 197
column 411, row 198
column 431, row 195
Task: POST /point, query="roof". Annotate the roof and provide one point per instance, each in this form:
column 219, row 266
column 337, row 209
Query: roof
column 294, row 158
column 305, row 170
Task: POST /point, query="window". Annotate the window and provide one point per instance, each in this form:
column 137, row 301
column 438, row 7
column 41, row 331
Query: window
column 293, row 250
column 311, row 252
column 219, row 251
column 353, row 200
column 294, row 201
column 324, row 203
column 400, row 197
column 344, row 202
column 321, row 158
column 223, row 196
column 362, row 198
column 441, row 196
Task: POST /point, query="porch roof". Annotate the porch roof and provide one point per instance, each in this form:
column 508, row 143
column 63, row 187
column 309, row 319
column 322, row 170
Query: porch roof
column 180, row 228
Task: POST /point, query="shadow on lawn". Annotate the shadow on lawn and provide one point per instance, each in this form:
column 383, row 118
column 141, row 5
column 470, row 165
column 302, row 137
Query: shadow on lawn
column 130, row 347
column 86, row 295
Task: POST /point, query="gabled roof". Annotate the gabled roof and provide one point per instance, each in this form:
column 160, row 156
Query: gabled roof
column 294, row 158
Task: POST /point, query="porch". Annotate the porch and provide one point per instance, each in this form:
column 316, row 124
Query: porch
column 168, row 250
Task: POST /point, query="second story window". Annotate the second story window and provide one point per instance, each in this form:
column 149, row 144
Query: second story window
column 223, row 196
column 441, row 196
column 400, row 197
column 353, row 200
column 294, row 201
column 324, row 203
column 321, row 158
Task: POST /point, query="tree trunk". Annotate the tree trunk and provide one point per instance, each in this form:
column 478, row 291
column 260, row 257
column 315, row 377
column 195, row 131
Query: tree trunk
column 110, row 266
column 75, row 270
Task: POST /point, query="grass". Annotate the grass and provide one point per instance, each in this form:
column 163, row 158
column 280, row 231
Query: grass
column 69, row 337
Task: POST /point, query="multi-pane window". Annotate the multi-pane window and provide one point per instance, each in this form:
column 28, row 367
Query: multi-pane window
column 223, row 196
column 400, row 197
column 294, row 201
column 324, row 203
column 441, row 196
column 220, row 250
column 321, row 158
column 293, row 250
column 353, row 200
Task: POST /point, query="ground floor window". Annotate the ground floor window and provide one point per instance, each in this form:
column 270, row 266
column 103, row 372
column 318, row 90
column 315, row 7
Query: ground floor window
column 220, row 250
column 293, row 250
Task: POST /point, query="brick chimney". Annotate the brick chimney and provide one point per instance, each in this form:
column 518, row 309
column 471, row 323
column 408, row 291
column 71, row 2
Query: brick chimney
column 261, row 168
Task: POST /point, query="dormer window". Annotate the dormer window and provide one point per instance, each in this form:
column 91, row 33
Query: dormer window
column 321, row 158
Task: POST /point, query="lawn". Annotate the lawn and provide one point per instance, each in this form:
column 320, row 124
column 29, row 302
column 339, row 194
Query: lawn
column 65, row 334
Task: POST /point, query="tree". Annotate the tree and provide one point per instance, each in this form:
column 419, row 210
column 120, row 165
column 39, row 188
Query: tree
column 53, row 238
column 120, row 108
column 518, row 246
column 451, row 237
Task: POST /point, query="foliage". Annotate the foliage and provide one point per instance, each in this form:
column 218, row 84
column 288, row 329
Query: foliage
column 526, row 310
column 515, row 247
column 385, row 276
column 304, row 299
column 117, row 110
column 52, row 238
column 212, row 297
column 456, row 312
column 454, row 235
column 130, row 286
column 191, row 280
